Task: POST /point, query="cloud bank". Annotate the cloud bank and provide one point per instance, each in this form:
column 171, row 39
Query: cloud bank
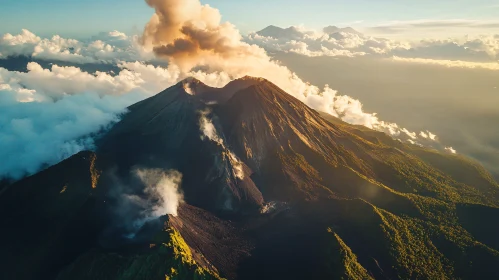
column 479, row 51
column 111, row 47
column 34, row 134
column 451, row 63
column 435, row 26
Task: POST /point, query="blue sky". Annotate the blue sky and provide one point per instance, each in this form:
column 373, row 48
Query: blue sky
column 78, row 18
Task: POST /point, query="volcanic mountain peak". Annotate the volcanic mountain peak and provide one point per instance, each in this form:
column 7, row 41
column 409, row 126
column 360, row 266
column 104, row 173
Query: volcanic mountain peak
column 278, row 32
column 218, row 95
column 184, row 98
column 177, row 130
column 261, row 94
column 350, row 203
column 194, row 86
column 334, row 29
column 244, row 82
column 295, row 33
column 252, row 78
column 191, row 80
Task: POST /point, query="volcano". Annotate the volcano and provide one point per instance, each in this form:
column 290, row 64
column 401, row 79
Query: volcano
column 271, row 188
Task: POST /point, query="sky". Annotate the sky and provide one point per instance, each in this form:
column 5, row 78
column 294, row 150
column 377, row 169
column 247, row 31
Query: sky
column 78, row 18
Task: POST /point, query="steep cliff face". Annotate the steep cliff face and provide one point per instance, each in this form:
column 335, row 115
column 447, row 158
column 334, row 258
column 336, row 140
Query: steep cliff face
column 271, row 190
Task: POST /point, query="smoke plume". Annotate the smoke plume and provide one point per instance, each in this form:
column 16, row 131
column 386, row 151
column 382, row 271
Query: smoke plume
column 208, row 128
column 191, row 35
column 209, row 131
column 162, row 195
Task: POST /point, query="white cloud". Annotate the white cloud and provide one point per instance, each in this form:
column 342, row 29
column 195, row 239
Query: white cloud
column 451, row 63
column 432, row 136
column 306, row 46
column 18, row 44
column 436, row 27
column 479, row 51
column 59, row 81
column 343, row 42
column 411, row 141
column 38, row 133
column 48, row 115
column 428, row 135
column 112, row 36
column 412, row 135
column 108, row 47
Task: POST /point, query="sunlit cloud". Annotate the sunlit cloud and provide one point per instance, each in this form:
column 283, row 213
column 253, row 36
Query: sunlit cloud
column 450, row 63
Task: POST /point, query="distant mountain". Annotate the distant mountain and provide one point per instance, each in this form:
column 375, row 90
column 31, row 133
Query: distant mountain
column 19, row 63
column 317, row 199
column 294, row 33
column 278, row 32
column 333, row 29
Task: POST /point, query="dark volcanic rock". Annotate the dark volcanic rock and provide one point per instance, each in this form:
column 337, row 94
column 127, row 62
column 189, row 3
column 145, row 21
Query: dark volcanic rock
column 164, row 132
column 48, row 219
